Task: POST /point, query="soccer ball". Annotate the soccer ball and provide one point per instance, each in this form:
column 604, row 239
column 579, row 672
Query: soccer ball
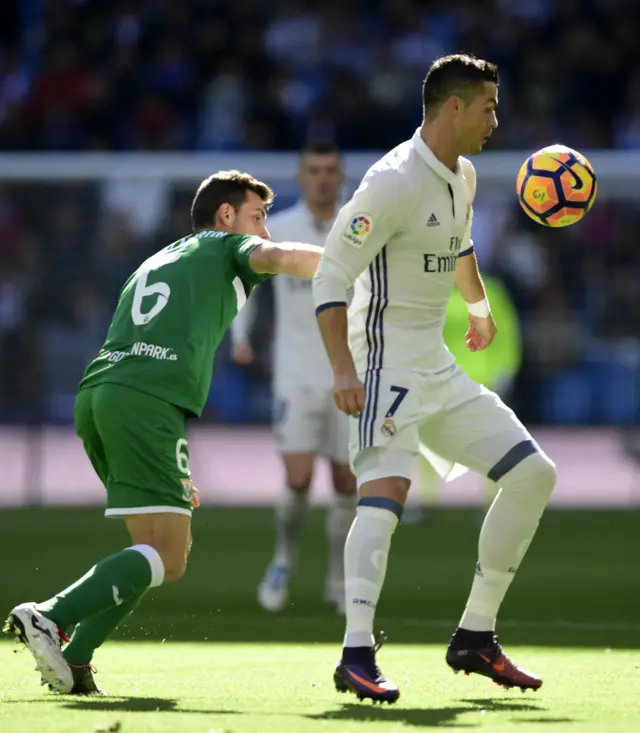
column 556, row 186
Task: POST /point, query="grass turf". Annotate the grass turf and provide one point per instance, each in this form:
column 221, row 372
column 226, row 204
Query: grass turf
column 251, row 688
column 572, row 615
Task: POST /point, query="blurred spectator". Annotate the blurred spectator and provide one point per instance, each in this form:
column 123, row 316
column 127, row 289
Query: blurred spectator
column 69, row 345
column 225, row 75
column 117, row 255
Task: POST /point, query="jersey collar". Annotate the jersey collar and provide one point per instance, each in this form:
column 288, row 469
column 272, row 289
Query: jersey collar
column 425, row 152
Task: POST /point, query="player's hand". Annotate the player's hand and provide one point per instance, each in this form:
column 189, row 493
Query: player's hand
column 242, row 353
column 481, row 333
column 348, row 393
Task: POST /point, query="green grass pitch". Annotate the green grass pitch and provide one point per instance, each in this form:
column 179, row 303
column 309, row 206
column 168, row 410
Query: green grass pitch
column 201, row 656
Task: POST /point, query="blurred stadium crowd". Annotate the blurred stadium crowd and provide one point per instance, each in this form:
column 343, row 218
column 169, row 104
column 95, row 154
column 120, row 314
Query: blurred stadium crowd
column 218, row 75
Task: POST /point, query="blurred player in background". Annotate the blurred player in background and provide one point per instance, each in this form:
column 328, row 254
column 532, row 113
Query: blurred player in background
column 404, row 240
column 495, row 368
column 154, row 372
column 307, row 422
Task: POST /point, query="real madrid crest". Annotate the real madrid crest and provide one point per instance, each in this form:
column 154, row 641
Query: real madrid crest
column 388, row 428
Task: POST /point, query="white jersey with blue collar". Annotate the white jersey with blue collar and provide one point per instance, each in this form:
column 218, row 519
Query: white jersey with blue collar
column 398, row 239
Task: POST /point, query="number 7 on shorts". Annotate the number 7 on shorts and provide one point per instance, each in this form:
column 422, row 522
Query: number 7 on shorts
column 401, row 394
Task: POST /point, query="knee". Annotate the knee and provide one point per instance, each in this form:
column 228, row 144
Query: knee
column 384, row 473
column 299, row 485
column 546, row 473
column 299, row 474
column 395, row 488
column 174, row 568
column 175, row 561
column 537, row 474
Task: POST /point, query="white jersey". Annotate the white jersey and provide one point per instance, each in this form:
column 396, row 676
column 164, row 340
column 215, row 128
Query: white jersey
column 299, row 358
column 398, row 239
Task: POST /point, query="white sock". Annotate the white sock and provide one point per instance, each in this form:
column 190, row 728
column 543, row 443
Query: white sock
column 291, row 514
column 340, row 515
column 487, row 592
column 365, row 563
column 506, row 534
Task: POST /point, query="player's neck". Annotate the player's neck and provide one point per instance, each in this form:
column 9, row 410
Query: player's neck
column 440, row 143
column 322, row 212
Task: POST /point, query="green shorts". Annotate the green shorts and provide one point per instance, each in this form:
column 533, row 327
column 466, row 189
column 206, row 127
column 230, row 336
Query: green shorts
column 137, row 445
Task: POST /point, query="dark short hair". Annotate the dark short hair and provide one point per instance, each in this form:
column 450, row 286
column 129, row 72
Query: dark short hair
column 320, row 147
column 457, row 74
column 225, row 187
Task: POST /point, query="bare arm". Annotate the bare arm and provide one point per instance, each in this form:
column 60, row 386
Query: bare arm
column 333, row 326
column 286, row 258
column 482, row 329
column 468, row 280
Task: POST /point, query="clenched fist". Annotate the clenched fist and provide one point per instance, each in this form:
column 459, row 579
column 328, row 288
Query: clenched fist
column 348, row 393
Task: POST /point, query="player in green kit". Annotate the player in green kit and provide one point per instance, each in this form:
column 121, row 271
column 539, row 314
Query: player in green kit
column 151, row 375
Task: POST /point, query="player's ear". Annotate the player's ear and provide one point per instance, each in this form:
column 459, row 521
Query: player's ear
column 456, row 104
column 225, row 214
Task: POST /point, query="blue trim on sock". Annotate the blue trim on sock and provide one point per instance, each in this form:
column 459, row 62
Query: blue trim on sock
column 516, row 455
column 379, row 502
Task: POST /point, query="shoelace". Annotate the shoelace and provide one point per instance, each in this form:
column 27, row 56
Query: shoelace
column 380, row 640
column 89, row 666
column 65, row 637
column 372, row 668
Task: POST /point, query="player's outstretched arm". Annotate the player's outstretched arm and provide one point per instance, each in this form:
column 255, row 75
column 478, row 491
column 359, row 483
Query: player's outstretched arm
column 482, row 329
column 286, row 258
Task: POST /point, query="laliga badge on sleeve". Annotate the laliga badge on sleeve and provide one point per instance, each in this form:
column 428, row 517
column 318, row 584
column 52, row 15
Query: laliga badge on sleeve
column 357, row 230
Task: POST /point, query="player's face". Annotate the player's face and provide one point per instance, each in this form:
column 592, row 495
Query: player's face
column 250, row 218
column 320, row 178
column 478, row 119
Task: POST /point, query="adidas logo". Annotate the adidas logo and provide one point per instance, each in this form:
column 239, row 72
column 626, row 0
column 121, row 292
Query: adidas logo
column 432, row 221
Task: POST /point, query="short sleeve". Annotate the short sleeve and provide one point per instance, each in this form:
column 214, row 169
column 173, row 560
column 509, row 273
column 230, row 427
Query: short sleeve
column 241, row 247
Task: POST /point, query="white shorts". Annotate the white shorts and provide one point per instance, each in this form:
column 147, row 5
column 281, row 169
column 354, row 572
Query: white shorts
column 453, row 416
column 306, row 420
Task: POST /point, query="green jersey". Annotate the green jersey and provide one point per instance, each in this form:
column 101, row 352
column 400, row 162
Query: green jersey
column 171, row 316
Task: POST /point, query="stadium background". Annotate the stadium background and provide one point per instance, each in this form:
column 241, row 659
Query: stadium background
column 110, row 114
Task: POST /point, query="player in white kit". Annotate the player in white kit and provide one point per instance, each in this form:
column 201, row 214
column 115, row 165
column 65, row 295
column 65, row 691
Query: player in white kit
column 404, row 239
column 307, row 422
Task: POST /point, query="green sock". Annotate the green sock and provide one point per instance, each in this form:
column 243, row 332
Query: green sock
column 92, row 632
column 110, row 583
